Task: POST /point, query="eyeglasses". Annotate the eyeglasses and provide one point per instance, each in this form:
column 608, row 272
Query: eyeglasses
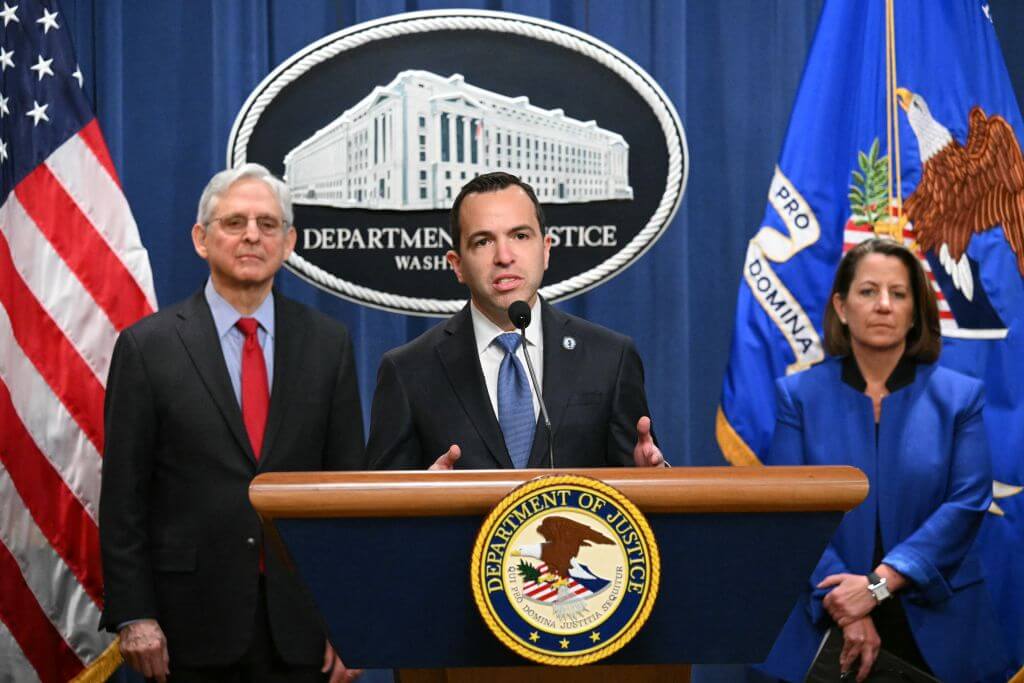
column 236, row 223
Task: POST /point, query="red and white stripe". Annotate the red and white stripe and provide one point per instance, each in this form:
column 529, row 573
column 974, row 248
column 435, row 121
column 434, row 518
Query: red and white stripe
column 73, row 273
column 546, row 592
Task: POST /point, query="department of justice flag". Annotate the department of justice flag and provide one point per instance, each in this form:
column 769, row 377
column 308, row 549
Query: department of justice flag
column 906, row 125
column 73, row 273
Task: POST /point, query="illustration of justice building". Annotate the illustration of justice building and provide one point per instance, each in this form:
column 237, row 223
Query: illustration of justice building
column 412, row 144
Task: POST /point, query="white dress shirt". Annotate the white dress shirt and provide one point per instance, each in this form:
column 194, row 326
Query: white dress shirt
column 492, row 354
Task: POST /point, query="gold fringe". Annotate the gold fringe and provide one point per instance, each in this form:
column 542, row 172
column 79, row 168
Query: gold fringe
column 103, row 667
column 733, row 447
column 1018, row 677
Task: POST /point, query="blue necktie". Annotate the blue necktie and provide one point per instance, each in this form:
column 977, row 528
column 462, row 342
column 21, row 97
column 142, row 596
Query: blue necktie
column 515, row 402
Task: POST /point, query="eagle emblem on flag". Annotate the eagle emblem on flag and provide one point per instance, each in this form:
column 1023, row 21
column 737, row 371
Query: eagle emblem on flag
column 965, row 189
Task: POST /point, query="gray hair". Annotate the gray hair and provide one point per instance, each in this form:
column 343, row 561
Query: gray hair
column 220, row 183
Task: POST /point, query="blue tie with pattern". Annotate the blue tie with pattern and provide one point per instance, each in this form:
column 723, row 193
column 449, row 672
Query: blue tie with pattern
column 515, row 402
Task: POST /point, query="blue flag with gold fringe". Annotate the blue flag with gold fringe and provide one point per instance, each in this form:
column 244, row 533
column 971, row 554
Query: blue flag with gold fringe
column 905, row 124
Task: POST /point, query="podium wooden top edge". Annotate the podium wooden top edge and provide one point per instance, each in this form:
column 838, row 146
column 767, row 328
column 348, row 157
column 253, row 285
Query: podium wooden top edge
column 475, row 492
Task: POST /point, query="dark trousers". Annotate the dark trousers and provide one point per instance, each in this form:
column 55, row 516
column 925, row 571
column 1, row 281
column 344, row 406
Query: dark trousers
column 260, row 664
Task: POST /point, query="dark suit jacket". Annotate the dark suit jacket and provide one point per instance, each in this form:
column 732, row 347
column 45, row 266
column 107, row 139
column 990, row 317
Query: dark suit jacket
column 431, row 394
column 180, row 540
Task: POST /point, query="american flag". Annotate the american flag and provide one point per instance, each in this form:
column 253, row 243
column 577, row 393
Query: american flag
column 73, row 273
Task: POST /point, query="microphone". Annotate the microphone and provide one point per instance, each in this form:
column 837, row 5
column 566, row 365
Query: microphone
column 519, row 313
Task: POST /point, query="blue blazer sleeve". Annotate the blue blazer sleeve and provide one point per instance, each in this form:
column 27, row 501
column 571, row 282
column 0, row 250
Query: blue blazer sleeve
column 934, row 552
column 788, row 449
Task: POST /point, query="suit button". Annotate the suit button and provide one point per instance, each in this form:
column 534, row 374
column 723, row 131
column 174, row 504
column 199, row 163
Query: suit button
column 251, row 542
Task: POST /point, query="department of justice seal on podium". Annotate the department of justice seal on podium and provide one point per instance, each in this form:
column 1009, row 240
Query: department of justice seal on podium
column 565, row 570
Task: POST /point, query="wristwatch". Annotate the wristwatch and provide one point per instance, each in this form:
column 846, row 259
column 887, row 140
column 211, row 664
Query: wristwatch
column 876, row 584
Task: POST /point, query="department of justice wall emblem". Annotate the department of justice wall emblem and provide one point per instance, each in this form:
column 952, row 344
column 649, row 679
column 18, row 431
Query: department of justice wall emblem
column 565, row 570
column 377, row 127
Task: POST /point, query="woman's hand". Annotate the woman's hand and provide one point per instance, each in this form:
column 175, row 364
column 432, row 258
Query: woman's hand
column 850, row 598
column 860, row 641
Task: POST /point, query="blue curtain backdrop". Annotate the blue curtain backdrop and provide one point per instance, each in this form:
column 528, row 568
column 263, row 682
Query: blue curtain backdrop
column 167, row 78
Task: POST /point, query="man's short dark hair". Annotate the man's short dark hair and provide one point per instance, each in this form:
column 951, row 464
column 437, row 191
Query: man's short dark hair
column 924, row 341
column 489, row 182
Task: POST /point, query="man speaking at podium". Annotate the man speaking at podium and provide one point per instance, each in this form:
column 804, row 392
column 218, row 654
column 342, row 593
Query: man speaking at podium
column 461, row 396
column 202, row 397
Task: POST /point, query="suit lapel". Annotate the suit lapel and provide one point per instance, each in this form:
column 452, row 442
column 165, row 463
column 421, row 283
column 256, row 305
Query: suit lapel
column 458, row 354
column 199, row 335
column 288, row 344
column 562, row 367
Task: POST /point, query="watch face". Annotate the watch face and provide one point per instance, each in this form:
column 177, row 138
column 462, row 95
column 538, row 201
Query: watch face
column 876, row 585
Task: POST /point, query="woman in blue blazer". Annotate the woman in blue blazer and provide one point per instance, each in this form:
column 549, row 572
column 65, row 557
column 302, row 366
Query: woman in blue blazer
column 899, row 572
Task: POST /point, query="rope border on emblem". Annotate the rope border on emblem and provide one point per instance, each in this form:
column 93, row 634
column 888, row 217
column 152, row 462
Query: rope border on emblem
column 514, row 497
column 504, row 22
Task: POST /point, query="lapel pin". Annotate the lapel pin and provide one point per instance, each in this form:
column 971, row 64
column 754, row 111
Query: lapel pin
column 568, row 343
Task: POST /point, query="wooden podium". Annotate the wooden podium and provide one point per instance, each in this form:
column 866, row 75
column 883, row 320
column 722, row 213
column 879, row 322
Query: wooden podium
column 386, row 558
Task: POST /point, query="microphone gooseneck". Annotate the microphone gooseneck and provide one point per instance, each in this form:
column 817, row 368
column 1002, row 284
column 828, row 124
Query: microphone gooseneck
column 519, row 313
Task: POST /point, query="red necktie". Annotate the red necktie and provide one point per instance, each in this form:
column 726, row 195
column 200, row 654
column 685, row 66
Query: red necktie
column 255, row 389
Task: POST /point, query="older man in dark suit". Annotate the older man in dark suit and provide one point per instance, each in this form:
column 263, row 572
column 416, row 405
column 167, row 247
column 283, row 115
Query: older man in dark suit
column 201, row 397
column 459, row 396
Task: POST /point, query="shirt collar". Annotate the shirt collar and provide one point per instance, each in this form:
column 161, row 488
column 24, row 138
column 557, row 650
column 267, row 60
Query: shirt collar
column 225, row 316
column 902, row 375
column 485, row 330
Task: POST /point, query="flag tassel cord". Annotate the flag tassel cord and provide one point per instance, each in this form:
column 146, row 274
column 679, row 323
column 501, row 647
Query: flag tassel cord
column 892, row 111
column 103, row 667
column 890, row 102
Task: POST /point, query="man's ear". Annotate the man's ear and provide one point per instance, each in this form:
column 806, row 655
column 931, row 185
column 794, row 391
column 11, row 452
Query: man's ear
column 199, row 240
column 456, row 263
column 289, row 241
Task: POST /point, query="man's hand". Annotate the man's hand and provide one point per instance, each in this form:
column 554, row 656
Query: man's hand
column 447, row 461
column 646, row 453
column 336, row 667
column 860, row 641
column 144, row 647
column 850, row 600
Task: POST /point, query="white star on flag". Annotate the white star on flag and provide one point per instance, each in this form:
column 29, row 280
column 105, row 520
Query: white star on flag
column 42, row 67
column 73, row 273
column 48, row 20
column 38, row 113
column 9, row 14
